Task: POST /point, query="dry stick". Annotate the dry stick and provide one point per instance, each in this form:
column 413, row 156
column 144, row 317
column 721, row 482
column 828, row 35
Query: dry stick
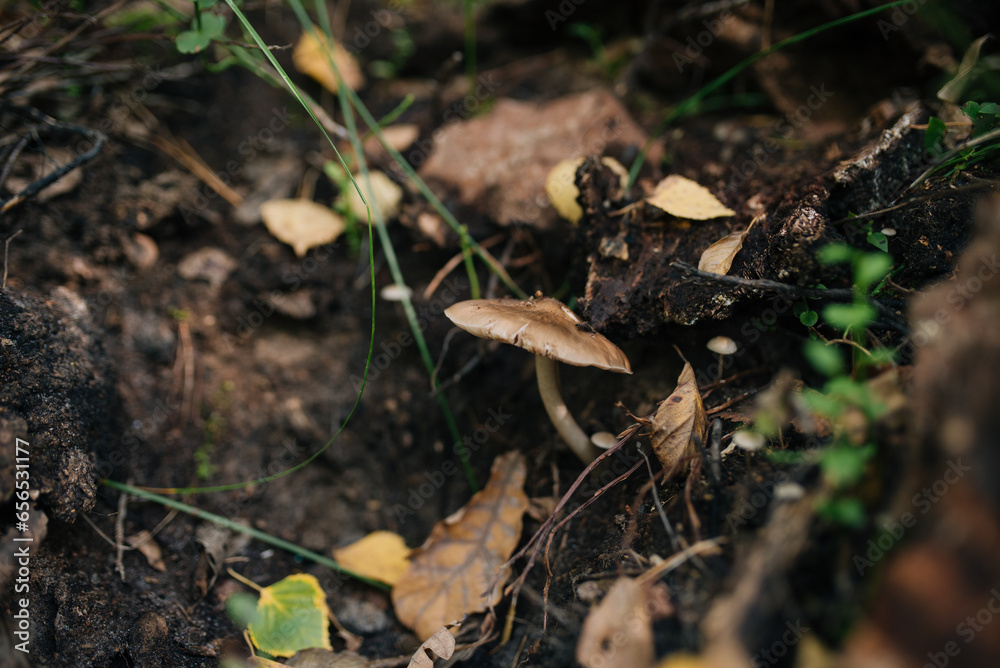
column 120, row 535
column 701, row 547
column 535, row 543
column 451, row 264
column 6, row 248
column 726, row 404
column 555, row 529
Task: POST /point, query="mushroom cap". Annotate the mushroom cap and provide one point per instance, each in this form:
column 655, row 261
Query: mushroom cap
column 540, row 325
column 723, row 345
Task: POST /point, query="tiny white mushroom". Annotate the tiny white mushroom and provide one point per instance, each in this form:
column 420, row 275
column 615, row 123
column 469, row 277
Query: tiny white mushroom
column 605, row 440
column 545, row 327
column 722, row 346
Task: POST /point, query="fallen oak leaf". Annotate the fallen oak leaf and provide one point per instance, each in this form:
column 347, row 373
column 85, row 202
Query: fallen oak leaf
column 442, row 644
column 457, row 570
column 684, row 198
column 678, row 419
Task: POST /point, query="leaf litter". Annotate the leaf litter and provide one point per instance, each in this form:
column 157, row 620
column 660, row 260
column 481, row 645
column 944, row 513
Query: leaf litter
column 457, row 571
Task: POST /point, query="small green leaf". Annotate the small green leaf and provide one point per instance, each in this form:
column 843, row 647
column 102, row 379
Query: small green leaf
column 834, row 253
column 204, row 4
column 823, row 404
column 879, row 241
column 849, row 316
column 809, row 317
column 882, row 355
column 934, row 137
column 192, row 41
column 291, row 615
column 825, row 359
column 871, row 267
column 849, row 512
column 843, row 465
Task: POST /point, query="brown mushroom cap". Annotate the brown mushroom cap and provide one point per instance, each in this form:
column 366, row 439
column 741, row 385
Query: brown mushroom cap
column 540, row 325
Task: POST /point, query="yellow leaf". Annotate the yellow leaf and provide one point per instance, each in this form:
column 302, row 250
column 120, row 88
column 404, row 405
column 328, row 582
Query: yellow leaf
column 381, row 555
column 677, row 420
column 684, row 198
column 560, row 186
column 457, row 570
column 313, row 58
column 387, row 195
column 301, row 223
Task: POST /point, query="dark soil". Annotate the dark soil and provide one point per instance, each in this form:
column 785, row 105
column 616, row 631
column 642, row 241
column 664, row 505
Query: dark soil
column 115, row 366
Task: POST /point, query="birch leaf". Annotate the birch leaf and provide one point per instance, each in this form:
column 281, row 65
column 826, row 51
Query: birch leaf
column 381, row 555
column 291, row 615
column 684, row 198
column 301, row 223
column 461, row 559
column 677, row 420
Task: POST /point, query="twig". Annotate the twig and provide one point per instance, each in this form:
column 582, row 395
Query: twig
column 6, row 248
column 765, row 285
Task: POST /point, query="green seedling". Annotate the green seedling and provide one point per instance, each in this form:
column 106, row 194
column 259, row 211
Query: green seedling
column 206, row 27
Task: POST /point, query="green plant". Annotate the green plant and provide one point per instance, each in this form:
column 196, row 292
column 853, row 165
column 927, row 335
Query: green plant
column 206, row 27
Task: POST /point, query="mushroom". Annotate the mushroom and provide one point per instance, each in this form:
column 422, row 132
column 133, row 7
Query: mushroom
column 721, row 346
column 545, row 327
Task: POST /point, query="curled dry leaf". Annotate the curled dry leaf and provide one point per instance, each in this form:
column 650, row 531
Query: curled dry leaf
column 384, row 192
column 441, row 643
column 143, row 541
column 684, row 198
column 718, row 257
column 677, row 420
column 301, row 223
column 381, row 555
column 452, row 573
column 618, row 633
column 312, row 57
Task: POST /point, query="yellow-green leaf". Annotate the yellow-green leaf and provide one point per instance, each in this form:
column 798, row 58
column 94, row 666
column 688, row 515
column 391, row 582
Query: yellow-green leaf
column 291, row 615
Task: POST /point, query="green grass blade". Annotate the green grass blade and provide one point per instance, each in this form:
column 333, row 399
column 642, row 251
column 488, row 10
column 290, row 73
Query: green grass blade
column 240, row 528
column 687, row 105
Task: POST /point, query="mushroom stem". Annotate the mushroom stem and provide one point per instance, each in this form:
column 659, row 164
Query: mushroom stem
column 548, row 386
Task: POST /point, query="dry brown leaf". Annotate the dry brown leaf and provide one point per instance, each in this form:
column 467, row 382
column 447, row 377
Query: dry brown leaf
column 311, row 57
column 718, row 257
column 618, row 633
column 381, row 555
column 143, row 541
column 301, row 223
column 452, row 573
column 677, row 420
column 325, row 658
column 441, row 643
column 684, row 198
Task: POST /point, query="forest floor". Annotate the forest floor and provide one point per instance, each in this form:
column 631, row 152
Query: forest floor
column 156, row 334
